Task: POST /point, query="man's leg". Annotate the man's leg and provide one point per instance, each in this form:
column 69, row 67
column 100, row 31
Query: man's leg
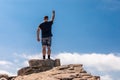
column 44, row 51
column 48, row 51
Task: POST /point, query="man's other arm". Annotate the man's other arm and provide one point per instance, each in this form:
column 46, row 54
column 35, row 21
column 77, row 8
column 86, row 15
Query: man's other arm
column 38, row 33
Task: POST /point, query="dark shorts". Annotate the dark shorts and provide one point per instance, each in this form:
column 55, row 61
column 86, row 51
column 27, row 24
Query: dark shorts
column 46, row 41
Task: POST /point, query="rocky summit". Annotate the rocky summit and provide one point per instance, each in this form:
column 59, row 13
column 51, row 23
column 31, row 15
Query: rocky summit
column 52, row 70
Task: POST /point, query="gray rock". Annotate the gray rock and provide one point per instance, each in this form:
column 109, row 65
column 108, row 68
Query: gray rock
column 63, row 67
column 4, row 76
column 57, row 62
column 37, row 65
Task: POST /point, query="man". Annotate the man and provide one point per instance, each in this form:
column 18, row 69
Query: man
column 46, row 30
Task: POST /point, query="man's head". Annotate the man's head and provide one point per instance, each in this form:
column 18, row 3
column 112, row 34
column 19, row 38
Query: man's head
column 45, row 18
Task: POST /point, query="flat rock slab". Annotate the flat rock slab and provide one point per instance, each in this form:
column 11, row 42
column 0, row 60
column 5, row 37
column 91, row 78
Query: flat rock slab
column 45, row 63
column 40, row 63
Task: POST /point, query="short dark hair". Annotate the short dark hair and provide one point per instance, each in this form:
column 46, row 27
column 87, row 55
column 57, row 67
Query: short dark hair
column 45, row 17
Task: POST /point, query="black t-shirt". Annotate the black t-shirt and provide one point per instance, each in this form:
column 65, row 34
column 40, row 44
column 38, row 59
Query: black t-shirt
column 46, row 28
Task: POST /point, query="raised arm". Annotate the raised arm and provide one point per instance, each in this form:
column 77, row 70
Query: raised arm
column 53, row 15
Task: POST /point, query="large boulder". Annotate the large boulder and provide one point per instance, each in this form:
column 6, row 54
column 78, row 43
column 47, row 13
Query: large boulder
column 41, row 63
column 38, row 65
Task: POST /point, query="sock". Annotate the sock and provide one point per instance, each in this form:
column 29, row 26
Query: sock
column 48, row 56
column 43, row 56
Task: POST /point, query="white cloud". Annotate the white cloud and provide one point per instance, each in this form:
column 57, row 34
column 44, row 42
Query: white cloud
column 5, row 63
column 102, row 62
column 27, row 57
column 106, row 77
column 6, row 67
column 6, row 72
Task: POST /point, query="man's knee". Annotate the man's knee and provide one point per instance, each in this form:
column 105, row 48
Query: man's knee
column 49, row 48
column 43, row 48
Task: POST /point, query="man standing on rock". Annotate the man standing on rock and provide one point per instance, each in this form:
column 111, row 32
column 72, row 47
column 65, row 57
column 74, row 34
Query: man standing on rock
column 46, row 30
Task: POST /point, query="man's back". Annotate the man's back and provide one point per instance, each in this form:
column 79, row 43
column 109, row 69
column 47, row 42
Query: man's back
column 46, row 28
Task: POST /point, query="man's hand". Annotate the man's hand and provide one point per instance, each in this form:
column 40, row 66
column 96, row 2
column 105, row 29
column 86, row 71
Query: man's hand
column 53, row 15
column 38, row 39
column 53, row 11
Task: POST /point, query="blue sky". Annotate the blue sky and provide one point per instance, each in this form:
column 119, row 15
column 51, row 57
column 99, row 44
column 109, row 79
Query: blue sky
column 82, row 26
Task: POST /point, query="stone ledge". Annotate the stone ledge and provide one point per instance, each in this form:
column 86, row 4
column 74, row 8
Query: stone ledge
column 45, row 63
